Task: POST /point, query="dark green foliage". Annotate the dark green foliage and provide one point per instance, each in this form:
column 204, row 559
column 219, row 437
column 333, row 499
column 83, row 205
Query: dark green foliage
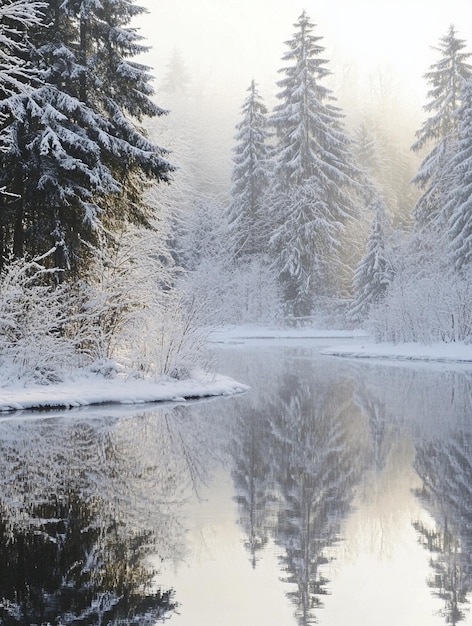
column 75, row 161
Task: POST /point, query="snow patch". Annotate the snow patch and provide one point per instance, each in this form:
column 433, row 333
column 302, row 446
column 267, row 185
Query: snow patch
column 456, row 352
column 95, row 389
column 228, row 334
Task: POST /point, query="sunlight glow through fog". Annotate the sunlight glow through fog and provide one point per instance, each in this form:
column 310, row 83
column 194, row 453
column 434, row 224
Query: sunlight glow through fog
column 230, row 42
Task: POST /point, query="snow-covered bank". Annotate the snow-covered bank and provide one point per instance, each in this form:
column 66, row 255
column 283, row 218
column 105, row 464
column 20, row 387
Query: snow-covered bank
column 95, row 389
column 439, row 352
column 228, row 334
column 361, row 347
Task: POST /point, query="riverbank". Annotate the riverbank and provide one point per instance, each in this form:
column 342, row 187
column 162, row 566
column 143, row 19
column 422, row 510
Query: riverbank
column 360, row 346
column 456, row 352
column 88, row 389
column 94, row 389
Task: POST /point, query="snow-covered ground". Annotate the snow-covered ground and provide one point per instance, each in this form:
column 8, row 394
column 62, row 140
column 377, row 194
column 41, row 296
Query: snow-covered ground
column 440, row 352
column 228, row 334
column 361, row 345
column 94, row 389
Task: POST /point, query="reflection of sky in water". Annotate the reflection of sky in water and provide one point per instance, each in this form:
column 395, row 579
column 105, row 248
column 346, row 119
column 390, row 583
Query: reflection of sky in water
column 217, row 583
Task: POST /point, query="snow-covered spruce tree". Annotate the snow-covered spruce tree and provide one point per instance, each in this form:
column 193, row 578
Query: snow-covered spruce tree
column 250, row 177
column 77, row 159
column 17, row 75
column 445, row 78
column 458, row 208
column 374, row 272
column 314, row 171
column 16, row 18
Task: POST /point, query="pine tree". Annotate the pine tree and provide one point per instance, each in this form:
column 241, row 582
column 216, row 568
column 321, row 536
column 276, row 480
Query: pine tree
column 445, row 78
column 313, row 172
column 458, row 209
column 176, row 79
column 75, row 158
column 374, row 272
column 16, row 18
column 250, row 177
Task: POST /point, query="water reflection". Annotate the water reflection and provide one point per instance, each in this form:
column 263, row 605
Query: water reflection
column 334, row 491
column 446, row 472
column 333, row 442
column 84, row 502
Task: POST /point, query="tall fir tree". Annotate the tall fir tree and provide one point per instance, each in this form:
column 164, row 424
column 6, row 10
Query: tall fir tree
column 250, row 177
column 314, row 170
column 445, row 78
column 76, row 156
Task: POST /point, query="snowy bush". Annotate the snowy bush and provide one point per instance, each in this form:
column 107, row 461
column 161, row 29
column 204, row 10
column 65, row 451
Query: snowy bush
column 35, row 345
column 424, row 308
column 126, row 313
column 137, row 313
column 165, row 339
column 246, row 292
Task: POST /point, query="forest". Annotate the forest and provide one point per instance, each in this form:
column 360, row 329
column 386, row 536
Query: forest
column 119, row 241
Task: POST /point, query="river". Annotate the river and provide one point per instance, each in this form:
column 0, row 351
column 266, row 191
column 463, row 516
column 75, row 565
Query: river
column 335, row 491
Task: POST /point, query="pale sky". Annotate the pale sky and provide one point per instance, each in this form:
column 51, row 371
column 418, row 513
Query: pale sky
column 226, row 43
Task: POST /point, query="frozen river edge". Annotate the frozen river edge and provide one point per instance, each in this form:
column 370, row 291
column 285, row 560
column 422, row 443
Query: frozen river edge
column 94, row 389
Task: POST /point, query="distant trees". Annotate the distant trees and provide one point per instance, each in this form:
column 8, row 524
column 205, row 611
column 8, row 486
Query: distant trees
column 374, row 272
column 428, row 281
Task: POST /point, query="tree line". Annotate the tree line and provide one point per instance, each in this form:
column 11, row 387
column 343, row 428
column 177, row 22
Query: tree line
column 336, row 219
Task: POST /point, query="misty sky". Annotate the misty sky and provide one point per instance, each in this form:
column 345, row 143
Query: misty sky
column 226, row 43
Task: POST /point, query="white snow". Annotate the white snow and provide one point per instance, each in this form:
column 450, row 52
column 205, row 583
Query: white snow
column 229, row 334
column 455, row 352
column 95, row 389
column 361, row 346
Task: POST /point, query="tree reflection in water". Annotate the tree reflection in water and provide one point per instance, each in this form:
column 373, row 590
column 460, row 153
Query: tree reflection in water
column 70, row 566
column 435, row 408
column 446, row 470
column 322, row 451
column 316, row 477
column 83, row 504
column 325, row 436
column 296, row 461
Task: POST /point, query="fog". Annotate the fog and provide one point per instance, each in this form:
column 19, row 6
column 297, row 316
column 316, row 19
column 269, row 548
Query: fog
column 226, row 43
column 378, row 52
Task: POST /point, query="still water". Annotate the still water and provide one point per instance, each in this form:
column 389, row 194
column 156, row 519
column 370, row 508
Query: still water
column 333, row 492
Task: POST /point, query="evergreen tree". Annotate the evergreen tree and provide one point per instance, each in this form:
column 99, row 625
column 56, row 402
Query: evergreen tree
column 16, row 18
column 176, row 79
column 381, row 154
column 374, row 272
column 445, row 78
column 313, row 171
column 250, row 177
column 458, row 209
column 76, row 157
